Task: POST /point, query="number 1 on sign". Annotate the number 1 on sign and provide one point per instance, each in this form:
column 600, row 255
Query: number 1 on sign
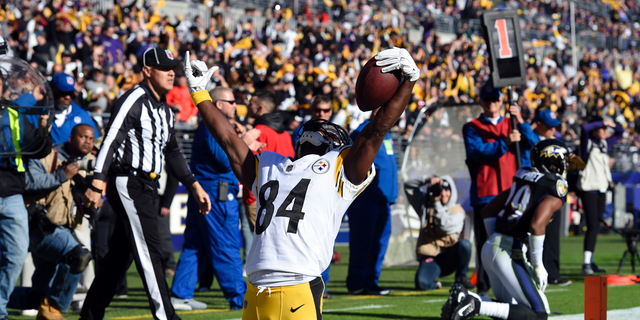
column 503, row 39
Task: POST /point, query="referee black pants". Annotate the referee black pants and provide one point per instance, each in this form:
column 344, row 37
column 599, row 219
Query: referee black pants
column 136, row 233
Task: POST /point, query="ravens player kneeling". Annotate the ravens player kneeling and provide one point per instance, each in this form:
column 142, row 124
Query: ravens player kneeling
column 515, row 217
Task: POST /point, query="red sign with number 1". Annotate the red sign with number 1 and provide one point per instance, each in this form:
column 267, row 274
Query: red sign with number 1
column 503, row 39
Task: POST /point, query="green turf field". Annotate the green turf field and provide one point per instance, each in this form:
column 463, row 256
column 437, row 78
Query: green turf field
column 403, row 302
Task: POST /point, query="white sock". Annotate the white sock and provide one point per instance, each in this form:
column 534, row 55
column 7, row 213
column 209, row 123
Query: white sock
column 479, row 297
column 588, row 256
column 494, row 309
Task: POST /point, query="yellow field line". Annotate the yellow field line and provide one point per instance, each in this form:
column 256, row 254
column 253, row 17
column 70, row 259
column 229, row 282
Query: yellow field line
column 143, row 316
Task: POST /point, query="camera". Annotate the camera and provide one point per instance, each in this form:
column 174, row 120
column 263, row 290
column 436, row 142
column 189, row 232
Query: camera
column 86, row 164
column 435, row 190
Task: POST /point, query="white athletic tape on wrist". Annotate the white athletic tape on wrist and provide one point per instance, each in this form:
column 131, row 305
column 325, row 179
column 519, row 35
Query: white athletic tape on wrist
column 536, row 244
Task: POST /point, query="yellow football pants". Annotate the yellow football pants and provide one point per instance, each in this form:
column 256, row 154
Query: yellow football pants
column 303, row 301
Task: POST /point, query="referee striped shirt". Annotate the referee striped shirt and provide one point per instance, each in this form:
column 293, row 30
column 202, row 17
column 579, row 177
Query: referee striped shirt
column 141, row 135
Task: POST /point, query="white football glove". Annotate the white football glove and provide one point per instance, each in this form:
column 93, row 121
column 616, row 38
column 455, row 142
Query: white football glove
column 542, row 275
column 197, row 74
column 398, row 59
column 536, row 245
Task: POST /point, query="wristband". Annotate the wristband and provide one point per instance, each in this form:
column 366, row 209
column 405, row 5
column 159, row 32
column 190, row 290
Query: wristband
column 200, row 96
column 95, row 189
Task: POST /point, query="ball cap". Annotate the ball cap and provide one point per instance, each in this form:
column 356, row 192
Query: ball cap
column 157, row 57
column 63, row 82
column 488, row 91
column 548, row 117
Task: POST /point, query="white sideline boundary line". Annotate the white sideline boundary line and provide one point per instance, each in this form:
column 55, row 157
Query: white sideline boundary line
column 434, row 300
column 619, row 314
column 371, row 306
column 555, row 290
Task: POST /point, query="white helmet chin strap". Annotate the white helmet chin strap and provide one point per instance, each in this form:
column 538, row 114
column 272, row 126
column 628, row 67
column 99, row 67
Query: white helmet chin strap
column 315, row 139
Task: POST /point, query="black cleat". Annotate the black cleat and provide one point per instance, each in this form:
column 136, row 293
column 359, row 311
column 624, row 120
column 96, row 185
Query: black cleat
column 467, row 309
column 596, row 269
column 586, row 269
column 465, row 282
column 560, row 282
column 376, row 290
column 591, row 268
column 457, row 293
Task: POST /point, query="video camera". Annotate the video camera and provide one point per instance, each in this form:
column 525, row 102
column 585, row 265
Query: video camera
column 26, row 100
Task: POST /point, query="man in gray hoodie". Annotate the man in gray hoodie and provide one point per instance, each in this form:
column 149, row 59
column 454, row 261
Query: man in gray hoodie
column 440, row 251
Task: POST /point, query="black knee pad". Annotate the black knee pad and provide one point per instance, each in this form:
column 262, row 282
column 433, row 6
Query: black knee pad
column 78, row 259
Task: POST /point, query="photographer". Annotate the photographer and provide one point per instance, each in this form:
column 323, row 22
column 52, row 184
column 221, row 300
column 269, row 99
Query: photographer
column 55, row 182
column 440, row 250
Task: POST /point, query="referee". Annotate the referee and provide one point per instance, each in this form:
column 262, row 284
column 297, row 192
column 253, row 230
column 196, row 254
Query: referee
column 140, row 136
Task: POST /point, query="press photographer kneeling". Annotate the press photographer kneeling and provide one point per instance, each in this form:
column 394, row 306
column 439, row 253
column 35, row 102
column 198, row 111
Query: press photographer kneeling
column 55, row 184
column 440, row 250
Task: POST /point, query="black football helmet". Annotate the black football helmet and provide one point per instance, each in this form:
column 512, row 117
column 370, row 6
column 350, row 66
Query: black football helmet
column 319, row 132
column 550, row 155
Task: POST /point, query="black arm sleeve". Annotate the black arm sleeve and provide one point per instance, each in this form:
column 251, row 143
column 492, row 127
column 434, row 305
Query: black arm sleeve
column 170, row 190
column 176, row 162
column 415, row 196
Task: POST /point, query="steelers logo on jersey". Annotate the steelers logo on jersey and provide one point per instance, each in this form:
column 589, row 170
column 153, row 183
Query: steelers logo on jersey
column 553, row 152
column 562, row 187
column 321, row 166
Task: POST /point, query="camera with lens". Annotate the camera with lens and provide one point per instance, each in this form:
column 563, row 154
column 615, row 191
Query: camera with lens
column 85, row 164
column 435, row 190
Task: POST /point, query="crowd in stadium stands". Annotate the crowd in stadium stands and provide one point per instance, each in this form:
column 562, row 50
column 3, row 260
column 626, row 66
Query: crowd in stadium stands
column 299, row 55
column 321, row 48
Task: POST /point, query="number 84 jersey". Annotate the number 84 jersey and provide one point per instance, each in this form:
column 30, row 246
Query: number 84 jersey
column 300, row 205
column 528, row 189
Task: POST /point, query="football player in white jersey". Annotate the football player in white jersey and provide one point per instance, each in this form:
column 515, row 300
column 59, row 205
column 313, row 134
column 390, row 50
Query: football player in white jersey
column 301, row 201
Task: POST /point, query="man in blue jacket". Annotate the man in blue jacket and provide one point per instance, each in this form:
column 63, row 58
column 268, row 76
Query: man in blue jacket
column 213, row 236
column 67, row 113
column 370, row 221
column 20, row 137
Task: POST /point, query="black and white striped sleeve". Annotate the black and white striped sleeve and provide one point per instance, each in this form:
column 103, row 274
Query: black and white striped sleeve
column 126, row 113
